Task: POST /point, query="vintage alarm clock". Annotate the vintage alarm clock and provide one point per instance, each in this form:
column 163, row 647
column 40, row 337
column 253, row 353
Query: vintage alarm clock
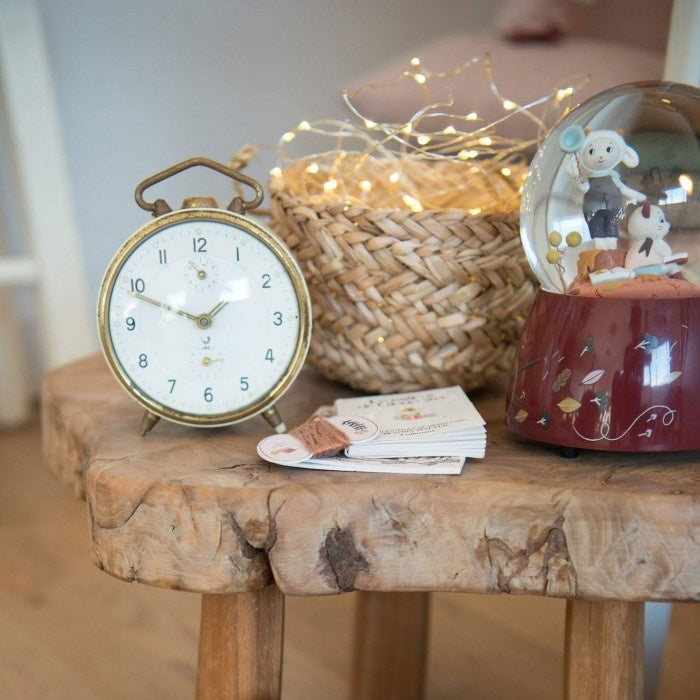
column 203, row 314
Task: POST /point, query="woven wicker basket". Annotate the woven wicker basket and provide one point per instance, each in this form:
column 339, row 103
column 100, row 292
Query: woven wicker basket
column 404, row 300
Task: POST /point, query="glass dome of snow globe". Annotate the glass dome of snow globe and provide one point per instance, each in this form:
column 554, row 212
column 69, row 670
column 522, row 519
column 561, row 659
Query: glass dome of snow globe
column 609, row 357
column 611, row 206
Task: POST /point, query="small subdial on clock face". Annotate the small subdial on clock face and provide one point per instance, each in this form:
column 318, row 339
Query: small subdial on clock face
column 201, row 273
column 207, row 360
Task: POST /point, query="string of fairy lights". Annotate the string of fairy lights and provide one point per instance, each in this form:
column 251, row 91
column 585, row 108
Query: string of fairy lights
column 421, row 163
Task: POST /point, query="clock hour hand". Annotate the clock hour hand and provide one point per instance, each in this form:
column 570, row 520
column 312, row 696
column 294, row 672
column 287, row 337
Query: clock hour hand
column 217, row 308
column 167, row 307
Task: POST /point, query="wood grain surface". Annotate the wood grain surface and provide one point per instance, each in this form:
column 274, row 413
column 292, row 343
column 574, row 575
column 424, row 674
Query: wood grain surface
column 604, row 650
column 240, row 645
column 199, row 511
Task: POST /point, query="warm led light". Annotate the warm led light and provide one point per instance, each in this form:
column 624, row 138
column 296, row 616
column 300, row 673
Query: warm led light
column 276, row 172
column 312, row 168
column 475, row 212
column 304, row 126
column 289, row 136
column 330, row 185
column 407, row 129
column 380, row 339
column 365, row 185
column 394, row 177
column 472, row 116
column 465, row 155
column 506, row 171
column 415, row 61
column 686, row 183
column 412, row 203
column 666, row 101
column 423, row 139
column 419, row 78
column 485, row 140
column 565, row 92
column 507, row 104
column 370, row 124
column 449, row 130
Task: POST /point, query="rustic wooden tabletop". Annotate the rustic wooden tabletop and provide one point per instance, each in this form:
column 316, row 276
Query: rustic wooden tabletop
column 198, row 510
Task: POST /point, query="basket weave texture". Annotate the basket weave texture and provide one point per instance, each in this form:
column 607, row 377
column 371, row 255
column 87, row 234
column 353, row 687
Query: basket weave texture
column 406, row 300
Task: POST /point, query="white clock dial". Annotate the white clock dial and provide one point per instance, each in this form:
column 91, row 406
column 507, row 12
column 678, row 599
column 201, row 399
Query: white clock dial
column 205, row 319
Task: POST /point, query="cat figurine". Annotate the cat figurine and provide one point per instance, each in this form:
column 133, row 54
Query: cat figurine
column 649, row 253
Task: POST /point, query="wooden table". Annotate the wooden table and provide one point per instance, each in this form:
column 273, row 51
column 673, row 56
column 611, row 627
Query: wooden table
column 199, row 511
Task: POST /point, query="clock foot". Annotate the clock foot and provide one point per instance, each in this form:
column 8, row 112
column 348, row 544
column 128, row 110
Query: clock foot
column 273, row 418
column 148, row 421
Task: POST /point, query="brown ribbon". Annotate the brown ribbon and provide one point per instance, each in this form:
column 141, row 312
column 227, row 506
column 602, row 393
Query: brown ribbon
column 320, row 437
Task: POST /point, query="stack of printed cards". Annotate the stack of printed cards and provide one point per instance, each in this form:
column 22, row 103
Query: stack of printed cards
column 422, row 432
column 432, row 423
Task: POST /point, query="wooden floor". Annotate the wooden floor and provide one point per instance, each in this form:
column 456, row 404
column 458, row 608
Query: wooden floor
column 69, row 631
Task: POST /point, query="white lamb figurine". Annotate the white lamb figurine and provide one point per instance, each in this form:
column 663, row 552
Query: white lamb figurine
column 649, row 253
column 593, row 165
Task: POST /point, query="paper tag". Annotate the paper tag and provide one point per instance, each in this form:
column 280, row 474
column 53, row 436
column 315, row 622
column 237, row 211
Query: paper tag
column 286, row 449
column 283, row 449
column 357, row 429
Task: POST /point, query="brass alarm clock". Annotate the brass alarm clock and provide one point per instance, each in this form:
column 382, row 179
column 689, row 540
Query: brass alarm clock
column 203, row 314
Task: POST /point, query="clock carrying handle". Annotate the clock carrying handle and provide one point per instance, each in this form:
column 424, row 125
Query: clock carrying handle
column 237, row 204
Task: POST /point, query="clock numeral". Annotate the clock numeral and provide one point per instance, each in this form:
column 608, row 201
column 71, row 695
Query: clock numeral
column 269, row 356
column 172, row 384
column 130, row 323
column 143, row 360
column 238, row 254
column 266, row 279
column 208, row 395
column 244, row 384
column 162, row 257
column 278, row 318
column 199, row 245
column 138, row 285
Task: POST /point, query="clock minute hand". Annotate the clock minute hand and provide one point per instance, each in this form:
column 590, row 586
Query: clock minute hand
column 167, row 307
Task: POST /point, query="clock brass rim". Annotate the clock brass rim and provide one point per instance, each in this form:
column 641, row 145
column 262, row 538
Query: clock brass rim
column 290, row 265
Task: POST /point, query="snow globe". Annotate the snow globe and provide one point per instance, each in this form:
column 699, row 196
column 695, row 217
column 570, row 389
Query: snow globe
column 609, row 358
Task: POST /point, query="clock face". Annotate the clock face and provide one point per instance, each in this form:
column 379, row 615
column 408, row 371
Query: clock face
column 204, row 317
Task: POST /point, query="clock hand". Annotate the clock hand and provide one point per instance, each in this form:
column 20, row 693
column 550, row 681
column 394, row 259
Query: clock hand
column 217, row 308
column 206, row 361
column 167, row 307
column 204, row 321
column 201, row 274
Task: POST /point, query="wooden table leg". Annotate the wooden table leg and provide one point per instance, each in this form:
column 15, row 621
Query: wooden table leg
column 240, row 646
column 390, row 646
column 604, row 652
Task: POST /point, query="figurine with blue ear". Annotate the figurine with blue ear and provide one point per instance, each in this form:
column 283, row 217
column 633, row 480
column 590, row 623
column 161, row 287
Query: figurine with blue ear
column 592, row 159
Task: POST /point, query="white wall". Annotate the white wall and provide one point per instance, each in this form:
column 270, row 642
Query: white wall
column 142, row 84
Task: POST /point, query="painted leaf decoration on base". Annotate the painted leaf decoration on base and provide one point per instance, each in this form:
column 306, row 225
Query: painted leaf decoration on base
column 593, row 377
column 561, row 380
column 569, row 405
column 521, row 415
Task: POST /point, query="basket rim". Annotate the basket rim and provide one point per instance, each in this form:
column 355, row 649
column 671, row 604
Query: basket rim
column 278, row 190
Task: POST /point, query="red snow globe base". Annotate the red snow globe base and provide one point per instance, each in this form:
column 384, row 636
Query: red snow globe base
column 610, row 224
column 609, row 374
